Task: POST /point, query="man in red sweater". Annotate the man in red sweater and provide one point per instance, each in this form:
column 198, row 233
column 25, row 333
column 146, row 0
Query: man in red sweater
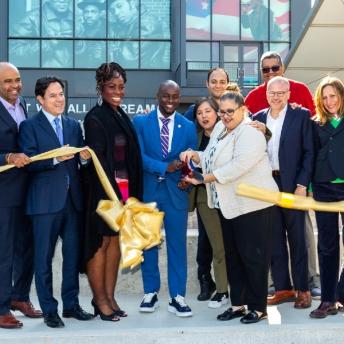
column 271, row 65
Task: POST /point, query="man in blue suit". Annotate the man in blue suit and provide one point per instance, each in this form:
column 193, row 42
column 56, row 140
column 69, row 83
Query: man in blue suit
column 16, row 242
column 162, row 135
column 291, row 155
column 54, row 199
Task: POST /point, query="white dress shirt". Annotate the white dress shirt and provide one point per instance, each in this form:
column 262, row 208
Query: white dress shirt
column 170, row 126
column 275, row 126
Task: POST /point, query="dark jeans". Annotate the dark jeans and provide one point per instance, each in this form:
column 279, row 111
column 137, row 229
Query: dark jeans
column 204, row 255
column 247, row 241
column 328, row 240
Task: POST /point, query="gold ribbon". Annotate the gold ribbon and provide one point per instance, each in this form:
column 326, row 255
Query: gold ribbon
column 288, row 200
column 138, row 223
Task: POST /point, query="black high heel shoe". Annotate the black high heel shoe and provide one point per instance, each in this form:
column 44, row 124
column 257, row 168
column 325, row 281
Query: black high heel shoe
column 120, row 313
column 111, row 317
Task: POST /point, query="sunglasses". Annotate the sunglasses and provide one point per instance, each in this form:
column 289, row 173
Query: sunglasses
column 273, row 69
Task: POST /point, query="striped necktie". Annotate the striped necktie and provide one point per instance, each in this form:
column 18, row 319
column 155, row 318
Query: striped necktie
column 58, row 129
column 164, row 137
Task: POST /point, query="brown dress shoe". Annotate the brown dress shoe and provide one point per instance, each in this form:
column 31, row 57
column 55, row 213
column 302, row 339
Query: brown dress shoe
column 281, row 296
column 324, row 309
column 303, row 299
column 9, row 321
column 27, row 308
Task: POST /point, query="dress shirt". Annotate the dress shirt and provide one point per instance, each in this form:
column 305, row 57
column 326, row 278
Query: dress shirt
column 170, row 127
column 275, row 126
column 16, row 111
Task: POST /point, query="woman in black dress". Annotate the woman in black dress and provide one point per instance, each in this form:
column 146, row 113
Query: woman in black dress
column 109, row 132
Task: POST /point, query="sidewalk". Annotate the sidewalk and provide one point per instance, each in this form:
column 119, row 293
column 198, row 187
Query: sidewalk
column 285, row 325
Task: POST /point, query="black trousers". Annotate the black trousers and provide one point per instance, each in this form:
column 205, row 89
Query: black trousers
column 204, row 256
column 328, row 241
column 289, row 225
column 247, row 241
column 16, row 257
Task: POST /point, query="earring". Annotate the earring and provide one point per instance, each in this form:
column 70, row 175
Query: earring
column 100, row 100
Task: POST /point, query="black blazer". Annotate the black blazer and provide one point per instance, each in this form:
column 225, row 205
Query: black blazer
column 329, row 152
column 13, row 183
column 296, row 149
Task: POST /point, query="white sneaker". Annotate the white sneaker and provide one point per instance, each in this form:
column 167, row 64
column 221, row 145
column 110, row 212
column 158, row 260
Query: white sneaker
column 149, row 303
column 178, row 306
column 218, row 300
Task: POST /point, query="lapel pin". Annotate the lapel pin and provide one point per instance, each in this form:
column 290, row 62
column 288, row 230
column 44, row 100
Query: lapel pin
column 179, row 126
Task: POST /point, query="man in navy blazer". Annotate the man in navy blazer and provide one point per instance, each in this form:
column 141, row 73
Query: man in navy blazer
column 162, row 135
column 16, row 241
column 54, row 199
column 291, row 155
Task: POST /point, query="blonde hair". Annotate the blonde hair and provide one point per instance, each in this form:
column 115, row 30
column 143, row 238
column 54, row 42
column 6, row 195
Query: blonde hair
column 232, row 87
column 323, row 115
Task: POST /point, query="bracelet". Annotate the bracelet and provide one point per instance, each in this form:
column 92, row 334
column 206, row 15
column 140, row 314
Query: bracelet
column 8, row 157
column 301, row 186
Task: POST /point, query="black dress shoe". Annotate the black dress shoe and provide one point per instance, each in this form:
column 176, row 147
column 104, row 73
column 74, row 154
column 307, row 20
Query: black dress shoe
column 77, row 313
column 229, row 314
column 252, row 317
column 208, row 288
column 53, row 320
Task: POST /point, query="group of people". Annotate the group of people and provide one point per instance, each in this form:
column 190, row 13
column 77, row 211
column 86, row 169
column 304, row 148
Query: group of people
column 268, row 139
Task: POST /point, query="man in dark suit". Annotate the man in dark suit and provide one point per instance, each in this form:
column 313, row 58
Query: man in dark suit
column 291, row 155
column 54, row 199
column 163, row 134
column 16, row 242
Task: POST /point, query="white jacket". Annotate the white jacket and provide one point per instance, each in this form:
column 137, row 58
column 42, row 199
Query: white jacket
column 240, row 157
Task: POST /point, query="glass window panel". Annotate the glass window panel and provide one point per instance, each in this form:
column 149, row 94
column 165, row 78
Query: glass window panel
column 155, row 55
column 215, row 54
column 89, row 54
column 226, row 20
column 281, row 48
column 155, row 19
column 250, row 68
column 198, row 19
column 124, row 53
column 24, row 53
column 231, row 61
column 280, row 22
column 24, row 18
column 90, row 19
column 198, row 55
column 254, row 20
column 123, row 16
column 57, row 18
column 57, row 53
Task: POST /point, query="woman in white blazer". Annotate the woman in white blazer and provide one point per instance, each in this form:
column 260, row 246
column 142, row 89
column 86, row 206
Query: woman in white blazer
column 237, row 154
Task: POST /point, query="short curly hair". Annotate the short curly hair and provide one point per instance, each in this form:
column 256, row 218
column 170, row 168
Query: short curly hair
column 106, row 71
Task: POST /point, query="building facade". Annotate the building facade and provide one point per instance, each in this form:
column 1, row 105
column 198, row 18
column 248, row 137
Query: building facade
column 153, row 40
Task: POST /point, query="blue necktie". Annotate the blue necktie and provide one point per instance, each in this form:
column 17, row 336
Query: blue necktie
column 58, row 129
column 164, row 137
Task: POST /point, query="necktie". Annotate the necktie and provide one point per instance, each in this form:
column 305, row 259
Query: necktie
column 164, row 137
column 58, row 129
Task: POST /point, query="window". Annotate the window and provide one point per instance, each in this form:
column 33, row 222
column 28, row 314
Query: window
column 85, row 33
column 260, row 23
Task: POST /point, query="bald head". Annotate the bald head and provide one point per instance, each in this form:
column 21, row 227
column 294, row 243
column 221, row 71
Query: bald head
column 168, row 83
column 7, row 65
column 10, row 82
column 168, row 97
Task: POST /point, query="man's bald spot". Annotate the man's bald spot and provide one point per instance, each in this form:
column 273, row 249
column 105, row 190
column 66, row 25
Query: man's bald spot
column 6, row 66
column 168, row 83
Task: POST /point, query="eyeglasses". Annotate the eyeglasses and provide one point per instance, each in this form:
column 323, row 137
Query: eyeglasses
column 279, row 94
column 273, row 69
column 228, row 112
